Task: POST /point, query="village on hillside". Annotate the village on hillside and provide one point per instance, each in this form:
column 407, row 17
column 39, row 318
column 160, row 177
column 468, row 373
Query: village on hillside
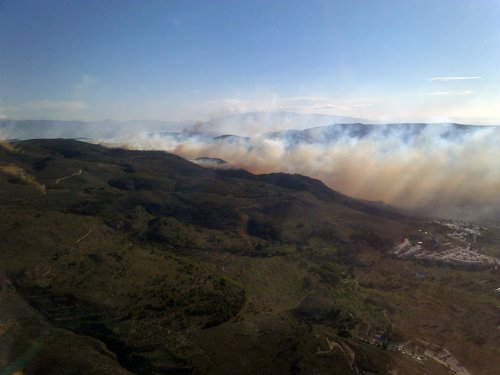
column 449, row 242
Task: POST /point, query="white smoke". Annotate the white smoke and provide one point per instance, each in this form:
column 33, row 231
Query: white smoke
column 439, row 169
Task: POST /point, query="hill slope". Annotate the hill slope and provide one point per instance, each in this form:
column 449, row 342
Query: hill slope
column 117, row 261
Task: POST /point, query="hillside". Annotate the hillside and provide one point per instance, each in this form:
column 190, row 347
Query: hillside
column 140, row 262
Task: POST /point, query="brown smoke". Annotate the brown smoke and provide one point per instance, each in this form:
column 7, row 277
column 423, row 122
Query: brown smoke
column 458, row 175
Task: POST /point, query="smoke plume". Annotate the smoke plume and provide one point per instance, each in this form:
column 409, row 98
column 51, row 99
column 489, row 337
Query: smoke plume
column 439, row 169
column 446, row 170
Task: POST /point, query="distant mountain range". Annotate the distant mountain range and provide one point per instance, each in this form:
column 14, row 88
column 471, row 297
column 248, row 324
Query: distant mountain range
column 242, row 124
column 33, row 129
column 253, row 123
column 334, row 132
column 293, row 127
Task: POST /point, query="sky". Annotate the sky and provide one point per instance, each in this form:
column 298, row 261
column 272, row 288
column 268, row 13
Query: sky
column 380, row 60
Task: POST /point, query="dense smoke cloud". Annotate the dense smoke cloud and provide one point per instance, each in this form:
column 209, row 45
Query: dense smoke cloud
column 440, row 169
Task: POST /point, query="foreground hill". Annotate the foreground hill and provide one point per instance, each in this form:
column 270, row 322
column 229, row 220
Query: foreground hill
column 118, row 262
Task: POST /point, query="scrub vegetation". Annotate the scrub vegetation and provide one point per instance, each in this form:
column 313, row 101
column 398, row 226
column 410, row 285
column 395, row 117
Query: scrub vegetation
column 140, row 262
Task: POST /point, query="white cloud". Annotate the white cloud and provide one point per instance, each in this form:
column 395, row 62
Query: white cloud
column 72, row 108
column 234, row 105
column 299, row 104
column 459, row 78
column 451, row 93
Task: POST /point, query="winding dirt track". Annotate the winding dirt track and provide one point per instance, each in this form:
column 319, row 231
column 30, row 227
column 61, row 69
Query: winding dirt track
column 66, row 177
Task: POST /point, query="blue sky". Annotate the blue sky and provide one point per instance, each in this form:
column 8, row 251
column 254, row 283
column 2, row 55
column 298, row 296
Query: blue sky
column 399, row 60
